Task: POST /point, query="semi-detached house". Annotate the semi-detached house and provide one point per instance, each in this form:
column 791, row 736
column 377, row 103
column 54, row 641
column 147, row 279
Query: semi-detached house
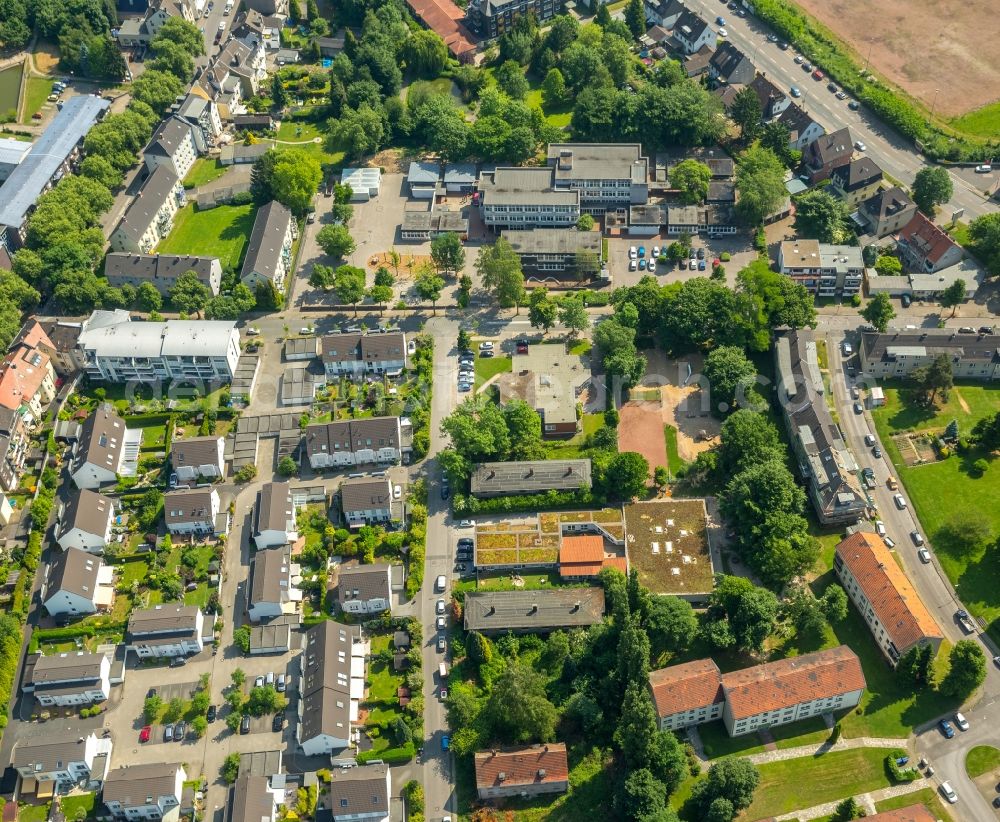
column 366, row 501
column 106, row 449
column 60, row 760
column 194, row 511
column 269, row 586
column 77, row 584
column 166, row 631
column 147, row 792
column 68, row 679
column 274, row 516
column 360, row 794
column 357, row 355
column 364, row 589
column 85, row 522
column 358, row 442
column 198, row 457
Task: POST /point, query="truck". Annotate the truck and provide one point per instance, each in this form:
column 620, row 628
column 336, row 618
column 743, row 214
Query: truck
column 965, row 621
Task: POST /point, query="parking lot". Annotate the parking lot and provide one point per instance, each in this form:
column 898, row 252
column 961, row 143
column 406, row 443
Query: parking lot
column 736, row 245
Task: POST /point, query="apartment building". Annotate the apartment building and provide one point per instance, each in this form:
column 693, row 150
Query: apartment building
column 173, row 145
column 269, row 252
column 825, row 270
column 550, row 381
column 825, row 462
column 856, row 181
column 137, row 32
column 896, row 354
column 160, row 270
column 203, row 115
column 366, row 501
column 85, row 522
column 499, row 479
column 491, row 19
column 120, row 350
column 549, row 251
column 357, row 355
column 106, row 449
column 687, row 694
column 194, row 512
column 520, row 612
column 274, row 516
column 533, row 770
column 60, row 760
column 14, row 444
column 27, row 381
column 884, row 596
column 198, row 457
column 148, row 792
column 365, row 589
column 925, row 247
column 515, row 198
column 166, row 631
column 68, row 679
column 150, row 217
column 358, row 442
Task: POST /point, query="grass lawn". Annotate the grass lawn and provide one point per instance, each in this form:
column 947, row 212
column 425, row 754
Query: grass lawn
column 502, row 582
column 810, row 731
column 33, row 813
column 925, row 796
column 572, row 448
column 581, row 347
column 983, row 122
column 382, row 682
column 37, row 91
column 296, row 131
column 558, row 116
column 220, row 232
column 717, row 742
column 949, row 479
column 204, row 170
column 674, row 461
column 982, row 759
column 72, row 805
column 490, row 367
column 812, row 780
column 438, row 86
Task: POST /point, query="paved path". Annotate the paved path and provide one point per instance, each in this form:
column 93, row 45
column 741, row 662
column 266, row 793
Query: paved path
column 825, row 747
column 866, row 800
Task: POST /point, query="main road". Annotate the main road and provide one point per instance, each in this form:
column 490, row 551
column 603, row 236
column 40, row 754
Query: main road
column 896, row 155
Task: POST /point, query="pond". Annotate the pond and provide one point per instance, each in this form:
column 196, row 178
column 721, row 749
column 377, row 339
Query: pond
column 10, row 86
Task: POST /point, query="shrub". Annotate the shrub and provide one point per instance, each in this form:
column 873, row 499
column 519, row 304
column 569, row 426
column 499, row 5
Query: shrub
column 834, row 734
column 549, row 500
column 980, row 467
column 391, row 756
column 896, row 772
column 725, row 256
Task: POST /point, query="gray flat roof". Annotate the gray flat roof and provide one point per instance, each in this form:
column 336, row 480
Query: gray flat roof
column 553, row 241
column 545, row 610
column 27, row 182
column 498, row 478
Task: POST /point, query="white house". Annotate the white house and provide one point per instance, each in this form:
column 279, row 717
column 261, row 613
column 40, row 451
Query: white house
column 687, row 694
column 269, row 251
column 68, row 679
column 105, row 450
column 59, row 760
column 77, row 584
column 173, row 144
column 86, row 522
column 198, row 457
column 166, row 631
column 150, row 217
column 274, row 516
column 692, row 33
column 364, row 589
column 663, row 12
column 193, row 511
column 149, row 792
column 358, row 442
column 360, row 793
column 269, row 588
column 366, row 501
column 357, row 355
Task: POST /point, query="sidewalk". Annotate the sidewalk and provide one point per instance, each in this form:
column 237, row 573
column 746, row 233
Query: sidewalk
column 867, row 800
column 824, row 747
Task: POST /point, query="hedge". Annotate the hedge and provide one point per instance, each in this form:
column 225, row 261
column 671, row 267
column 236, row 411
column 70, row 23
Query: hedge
column 463, row 504
column 896, row 773
column 391, row 756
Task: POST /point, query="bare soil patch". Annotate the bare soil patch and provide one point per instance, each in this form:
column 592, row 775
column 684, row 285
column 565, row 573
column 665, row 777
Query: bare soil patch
column 45, row 57
column 640, row 429
column 940, row 51
column 915, row 449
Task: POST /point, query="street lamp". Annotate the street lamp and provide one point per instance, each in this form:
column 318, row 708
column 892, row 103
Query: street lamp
column 868, row 59
column 934, row 102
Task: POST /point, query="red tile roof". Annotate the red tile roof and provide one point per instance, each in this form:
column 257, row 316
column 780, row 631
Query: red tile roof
column 911, row 813
column 686, row 687
column 22, row 372
column 522, row 766
column 444, row 17
column 584, row 556
column 893, row 598
column 926, row 238
column 787, row 682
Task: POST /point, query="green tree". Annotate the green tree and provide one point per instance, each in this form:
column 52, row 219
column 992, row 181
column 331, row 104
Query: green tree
column 148, row 298
column 238, row 677
column 915, row 665
column 265, row 700
column 821, row 216
column 287, row 466
column 554, row 89
column 199, row 726
column 760, row 179
column 231, row 767
column 635, row 18
column 500, row 272
column 931, row 187
column 295, row 179
column 151, row 708
column 241, row 638
column 573, row 315
column 478, row 431
column 100, row 169
column 189, row 294
column 834, row 603
column 279, row 97
column 511, row 80
column 671, row 623
column 321, row 276
column 635, row 735
column 933, row 380
column 349, row 285
column 157, row 89
column 888, row 266
column 748, row 612
column 967, row 669
column 953, row 296
column 429, row 285
column 747, row 438
column 602, row 16
column 746, row 112
column 847, row 810
column 425, row 53
column 335, row 240
column 691, row 179
column 357, row 131
column 380, row 295
column 644, row 797
column 965, row 535
column 984, row 236
column 879, row 311
column 519, row 707
column 626, row 475
column 542, row 311
column 585, row 223
column 447, row 252
column 730, row 375
column 524, row 429
column 732, row 779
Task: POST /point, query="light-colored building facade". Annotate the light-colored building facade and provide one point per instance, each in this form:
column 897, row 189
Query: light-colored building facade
column 150, row 217
column 60, row 760
column 77, row 584
column 192, row 512
column 364, row 589
column 27, row 381
column 360, row 794
column 198, row 457
column 269, row 251
column 68, row 679
column 274, row 516
column 160, row 270
column 106, row 449
column 358, row 442
column 85, row 522
column 896, row 354
column 173, row 145
column 534, row 770
column 358, row 355
column 269, row 586
column 166, row 631
column 607, row 175
column 825, row 270
column 518, row 198
column 148, row 792
column 687, row 694
column 366, row 501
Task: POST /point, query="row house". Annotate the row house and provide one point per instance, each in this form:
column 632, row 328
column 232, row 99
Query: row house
column 145, row 792
column 58, row 761
column 167, row 630
column 358, row 442
column 357, row 355
column 826, row 153
column 687, row 694
column 824, row 269
column 203, row 115
column 14, row 444
column 533, row 770
column 68, row 679
column 160, row 270
column 360, row 794
column 730, row 65
column 269, row 589
column 85, row 522
column 366, row 501
column 150, row 216
column 274, row 516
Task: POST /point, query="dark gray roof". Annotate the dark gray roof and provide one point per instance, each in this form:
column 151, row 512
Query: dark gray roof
column 830, row 148
column 52, row 751
column 360, row 790
column 126, row 265
column 363, row 582
column 460, row 173
column 983, row 348
column 269, row 576
column 423, row 173
column 167, row 139
column 722, row 191
column 690, row 25
column 163, row 619
column 350, row 435
column 87, row 510
column 62, row 668
column 796, row 120
column 887, row 203
column 728, row 60
column 365, row 494
column 253, row 120
column 134, row 785
column 188, row 505
column 250, row 800
column 499, row 478
column 545, row 610
column 767, row 93
column 326, row 679
column 102, row 437
column 264, row 249
column 28, row 181
column 857, row 174
column 153, row 194
column 194, row 452
column 74, row 571
column 274, row 507
column 374, row 348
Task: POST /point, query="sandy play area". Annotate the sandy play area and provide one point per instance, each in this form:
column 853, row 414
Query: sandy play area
column 640, row 429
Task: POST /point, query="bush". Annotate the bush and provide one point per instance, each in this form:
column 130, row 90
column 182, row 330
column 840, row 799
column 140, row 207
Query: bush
column 834, row 734
column 725, row 256
column 980, row 467
column 895, row 771
column 548, row 501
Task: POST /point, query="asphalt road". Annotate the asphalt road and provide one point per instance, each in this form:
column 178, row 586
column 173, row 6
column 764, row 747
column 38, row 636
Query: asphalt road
column 897, row 156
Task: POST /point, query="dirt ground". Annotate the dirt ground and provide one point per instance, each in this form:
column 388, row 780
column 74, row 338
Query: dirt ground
column 45, row 57
column 941, row 51
column 408, row 263
column 640, row 429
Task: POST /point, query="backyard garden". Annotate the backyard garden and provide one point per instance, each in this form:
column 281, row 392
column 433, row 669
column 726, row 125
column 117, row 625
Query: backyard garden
column 221, row 232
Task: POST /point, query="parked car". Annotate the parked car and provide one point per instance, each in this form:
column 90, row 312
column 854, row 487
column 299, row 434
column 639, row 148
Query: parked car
column 281, row 685
column 924, row 556
column 984, row 169
column 442, row 623
column 464, row 523
column 832, row 87
column 859, row 408
column 642, row 265
column 946, row 728
column 245, row 725
column 798, row 58
column 891, row 483
column 439, row 583
column 854, row 105
column 145, row 732
column 258, row 682
column 795, row 91
column 889, row 542
column 880, row 528
column 870, row 440
column 860, row 146
column 211, row 713
column 818, row 75
column 168, row 733
column 444, row 695
column 900, row 501
column 278, row 722
column 841, row 95
column 877, row 452
column 180, row 730
column 464, row 388
column 441, row 644
column 720, row 20
column 444, row 739
column 651, row 267
column 642, row 251
column 723, row 33
column 445, row 489
column 948, row 792
column 521, row 346
column 702, row 265
column 633, row 265
column 439, row 607
column 633, row 252
column 807, row 67
column 917, row 538
column 269, row 679
column 961, row 721
column 486, row 346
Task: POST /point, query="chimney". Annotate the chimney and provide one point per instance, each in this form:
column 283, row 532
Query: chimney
column 534, row 608
column 493, row 610
column 492, row 474
column 502, row 776
column 541, row 773
column 576, row 607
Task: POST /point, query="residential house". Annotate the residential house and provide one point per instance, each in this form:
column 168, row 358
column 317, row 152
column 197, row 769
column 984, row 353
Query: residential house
column 730, row 65
column 14, row 443
column 926, row 248
column 825, row 270
column 585, row 556
column 332, row 687
column 269, row 7
column 663, row 13
column 68, row 679
column 533, row 770
column 138, row 32
column 198, row 457
column 786, row 690
column 331, row 46
column 773, row 100
column 512, row 198
column 691, row 32
column 364, row 589
column 160, row 270
column 358, row 442
column 106, row 449
column 118, row 350
column 357, row 355
column 497, row 612
column 929, row 286
column 203, row 115
column 269, row 252
column 609, row 176
column 50, row 157
column 55, row 338
column 193, row 511
column 27, row 381
column 499, row 479
column 166, row 631
column 251, row 800
column 884, row 596
column 77, row 584
column 886, row 212
column 172, row 145
column 366, row 501
column 360, row 793
column 546, row 251
column 826, row 153
column 58, row 760
column 687, row 694
column 550, row 381
column 269, row 586
column 856, row 181
column 895, row 354
column 424, row 179
column 274, row 516
column 150, row 216
column 490, row 19
column 803, row 130
column 150, row 792
column 825, row 462
column 236, row 74
column 365, row 183
column 85, row 522
column 698, row 63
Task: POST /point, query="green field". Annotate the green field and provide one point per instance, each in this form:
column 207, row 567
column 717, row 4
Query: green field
column 440, row 85
column 928, row 485
column 925, row 796
column 982, row 759
column 220, row 232
column 983, row 122
column 488, row 368
column 297, row 131
column 204, row 170
column 35, row 94
column 558, row 116
column 10, row 87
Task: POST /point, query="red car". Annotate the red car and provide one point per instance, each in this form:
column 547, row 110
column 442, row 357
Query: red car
column 144, row 733
column 817, row 75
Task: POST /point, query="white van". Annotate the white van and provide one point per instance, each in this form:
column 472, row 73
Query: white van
column 439, row 583
column 443, row 671
column 880, row 528
column 229, row 7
